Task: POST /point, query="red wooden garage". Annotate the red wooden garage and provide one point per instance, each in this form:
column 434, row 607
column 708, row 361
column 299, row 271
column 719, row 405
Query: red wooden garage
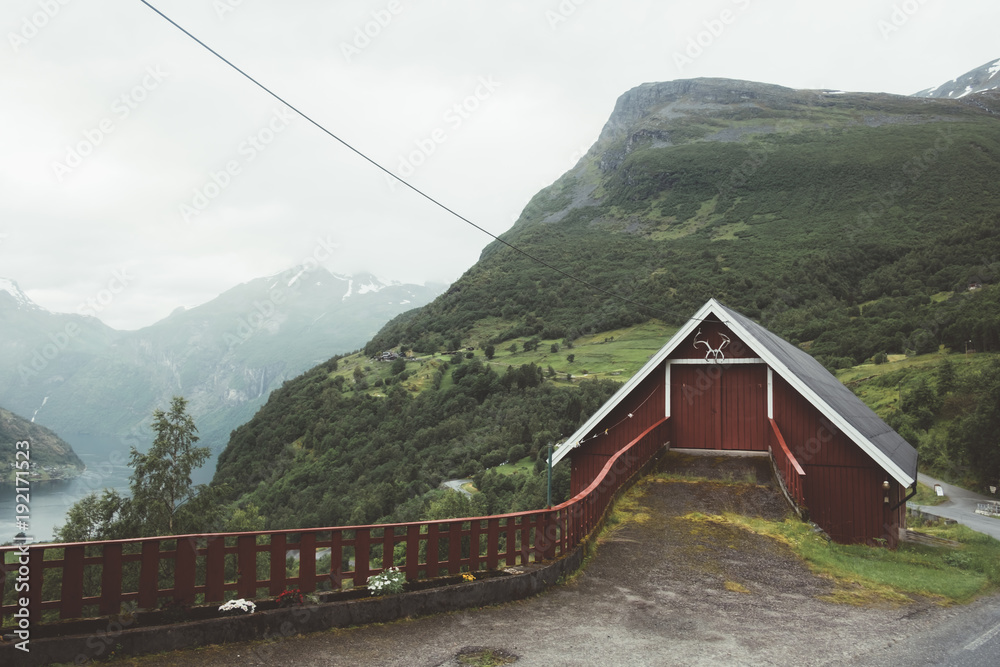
column 723, row 382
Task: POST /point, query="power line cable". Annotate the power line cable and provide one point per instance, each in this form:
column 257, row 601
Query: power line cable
column 379, row 166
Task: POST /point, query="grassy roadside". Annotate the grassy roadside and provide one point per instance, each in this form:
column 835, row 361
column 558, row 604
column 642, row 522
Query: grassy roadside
column 863, row 575
column 866, row 575
column 926, row 496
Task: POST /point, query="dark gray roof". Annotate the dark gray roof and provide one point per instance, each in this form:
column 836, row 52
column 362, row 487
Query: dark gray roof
column 830, row 391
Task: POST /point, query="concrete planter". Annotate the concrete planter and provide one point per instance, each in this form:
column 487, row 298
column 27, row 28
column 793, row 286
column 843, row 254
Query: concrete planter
column 95, row 639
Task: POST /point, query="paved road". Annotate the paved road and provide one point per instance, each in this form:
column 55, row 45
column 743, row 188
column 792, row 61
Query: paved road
column 961, row 506
column 959, row 637
column 456, row 485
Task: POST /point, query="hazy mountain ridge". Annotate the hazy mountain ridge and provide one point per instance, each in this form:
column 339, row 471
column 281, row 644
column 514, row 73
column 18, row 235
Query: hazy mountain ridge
column 225, row 356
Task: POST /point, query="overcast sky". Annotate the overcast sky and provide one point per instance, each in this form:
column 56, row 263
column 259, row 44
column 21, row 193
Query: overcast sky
column 135, row 163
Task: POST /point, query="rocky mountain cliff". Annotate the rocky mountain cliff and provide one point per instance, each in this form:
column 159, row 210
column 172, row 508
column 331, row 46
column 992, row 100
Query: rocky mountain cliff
column 771, row 199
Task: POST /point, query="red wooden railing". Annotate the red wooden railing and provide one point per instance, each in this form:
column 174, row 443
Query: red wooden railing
column 792, row 473
column 189, row 568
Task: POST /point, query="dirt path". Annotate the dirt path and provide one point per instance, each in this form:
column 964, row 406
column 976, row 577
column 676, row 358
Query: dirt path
column 655, row 594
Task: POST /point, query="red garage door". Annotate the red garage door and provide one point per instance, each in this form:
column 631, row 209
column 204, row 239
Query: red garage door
column 719, row 406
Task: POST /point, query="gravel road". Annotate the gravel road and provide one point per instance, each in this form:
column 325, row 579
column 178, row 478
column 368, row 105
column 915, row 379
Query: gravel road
column 661, row 590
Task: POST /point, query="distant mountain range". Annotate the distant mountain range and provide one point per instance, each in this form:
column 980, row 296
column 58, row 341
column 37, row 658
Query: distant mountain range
column 80, row 377
column 978, row 80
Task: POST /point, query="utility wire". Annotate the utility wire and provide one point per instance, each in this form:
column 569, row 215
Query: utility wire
column 377, row 165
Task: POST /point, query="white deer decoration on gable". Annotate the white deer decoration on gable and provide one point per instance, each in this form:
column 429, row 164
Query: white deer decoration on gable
column 713, row 353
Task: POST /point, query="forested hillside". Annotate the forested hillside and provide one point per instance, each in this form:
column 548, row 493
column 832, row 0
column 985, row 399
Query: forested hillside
column 859, row 226
column 320, row 453
column 51, row 456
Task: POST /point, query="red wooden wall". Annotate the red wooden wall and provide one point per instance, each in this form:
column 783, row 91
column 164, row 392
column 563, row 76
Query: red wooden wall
column 843, row 485
column 646, row 403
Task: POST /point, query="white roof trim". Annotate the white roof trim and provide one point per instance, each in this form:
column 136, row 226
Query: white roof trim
column 783, row 371
column 574, row 440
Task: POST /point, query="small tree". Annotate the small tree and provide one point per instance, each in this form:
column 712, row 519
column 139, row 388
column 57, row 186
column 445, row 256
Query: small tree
column 570, row 357
column 161, row 478
column 163, row 499
column 489, row 351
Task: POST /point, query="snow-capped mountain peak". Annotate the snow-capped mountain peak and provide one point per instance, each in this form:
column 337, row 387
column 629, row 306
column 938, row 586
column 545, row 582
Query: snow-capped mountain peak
column 364, row 283
column 986, row 77
column 21, row 300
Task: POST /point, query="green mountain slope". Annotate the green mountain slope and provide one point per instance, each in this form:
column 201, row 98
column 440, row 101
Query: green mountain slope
column 852, row 224
column 791, row 206
column 49, row 457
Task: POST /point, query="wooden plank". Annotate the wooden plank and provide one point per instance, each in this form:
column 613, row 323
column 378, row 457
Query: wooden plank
column 36, row 579
column 246, row 566
column 184, row 570
column 454, row 547
column 307, row 562
column 111, row 579
column 432, row 551
column 413, row 538
column 279, row 554
column 149, row 571
column 510, row 531
column 71, row 596
column 475, row 548
column 362, row 556
column 492, row 543
column 336, row 559
column 388, row 546
column 215, row 568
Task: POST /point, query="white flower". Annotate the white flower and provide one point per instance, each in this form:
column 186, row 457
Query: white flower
column 245, row 606
column 389, row 581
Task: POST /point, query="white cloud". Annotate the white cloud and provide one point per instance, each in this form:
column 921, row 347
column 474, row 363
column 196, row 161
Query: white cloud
column 558, row 81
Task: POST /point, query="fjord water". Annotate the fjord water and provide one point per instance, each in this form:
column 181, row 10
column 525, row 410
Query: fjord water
column 107, row 467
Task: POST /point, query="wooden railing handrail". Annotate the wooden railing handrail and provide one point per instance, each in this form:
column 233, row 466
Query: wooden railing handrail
column 539, row 534
column 609, row 465
column 784, row 448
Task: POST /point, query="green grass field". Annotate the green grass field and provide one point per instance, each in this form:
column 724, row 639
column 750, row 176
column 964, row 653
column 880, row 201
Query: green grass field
column 615, row 355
